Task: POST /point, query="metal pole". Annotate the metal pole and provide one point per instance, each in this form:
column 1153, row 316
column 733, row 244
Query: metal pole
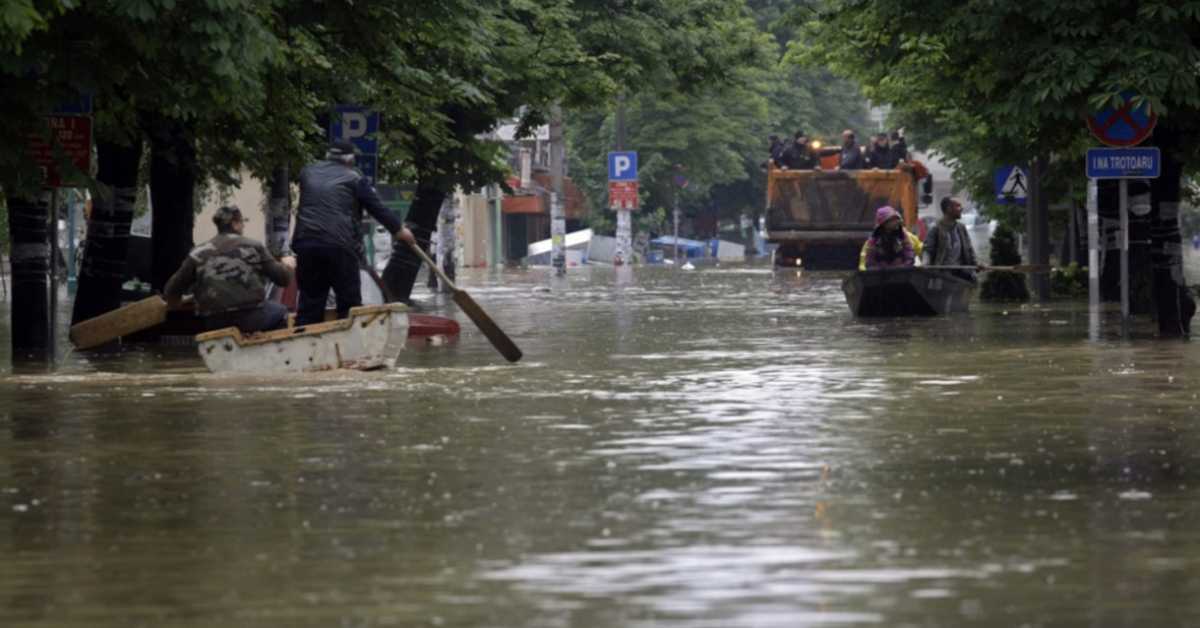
column 624, row 218
column 497, row 228
column 676, row 213
column 620, row 122
column 1093, row 237
column 52, row 311
column 1124, row 215
column 558, row 228
column 71, row 279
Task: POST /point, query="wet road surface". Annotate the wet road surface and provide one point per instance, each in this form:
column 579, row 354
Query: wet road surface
column 726, row 447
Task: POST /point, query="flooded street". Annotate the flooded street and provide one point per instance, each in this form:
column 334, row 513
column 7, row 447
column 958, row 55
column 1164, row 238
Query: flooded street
column 720, row 448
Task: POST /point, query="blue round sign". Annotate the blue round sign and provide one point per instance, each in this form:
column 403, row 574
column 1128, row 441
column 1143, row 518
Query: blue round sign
column 1126, row 125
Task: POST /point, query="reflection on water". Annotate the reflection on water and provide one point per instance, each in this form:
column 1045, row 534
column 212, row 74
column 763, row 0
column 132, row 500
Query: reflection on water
column 725, row 447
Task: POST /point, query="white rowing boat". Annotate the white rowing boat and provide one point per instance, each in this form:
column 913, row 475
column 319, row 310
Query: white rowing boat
column 371, row 338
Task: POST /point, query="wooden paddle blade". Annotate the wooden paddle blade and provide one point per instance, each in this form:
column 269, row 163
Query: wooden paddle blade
column 498, row 338
column 122, row 321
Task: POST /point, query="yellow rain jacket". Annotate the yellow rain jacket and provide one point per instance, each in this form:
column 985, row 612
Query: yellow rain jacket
column 918, row 248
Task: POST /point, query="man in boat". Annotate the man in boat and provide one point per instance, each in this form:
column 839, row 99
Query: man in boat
column 227, row 276
column 890, row 244
column 327, row 239
column 949, row 244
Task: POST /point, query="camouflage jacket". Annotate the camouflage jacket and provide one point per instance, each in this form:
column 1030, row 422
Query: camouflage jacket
column 227, row 273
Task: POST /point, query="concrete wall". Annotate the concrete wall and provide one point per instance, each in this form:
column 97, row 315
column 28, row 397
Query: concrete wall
column 250, row 197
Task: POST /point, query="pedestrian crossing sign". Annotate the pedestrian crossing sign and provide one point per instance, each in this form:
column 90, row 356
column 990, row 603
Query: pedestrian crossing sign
column 1012, row 185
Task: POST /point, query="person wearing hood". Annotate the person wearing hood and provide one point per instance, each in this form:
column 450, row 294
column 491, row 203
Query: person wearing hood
column 890, row 244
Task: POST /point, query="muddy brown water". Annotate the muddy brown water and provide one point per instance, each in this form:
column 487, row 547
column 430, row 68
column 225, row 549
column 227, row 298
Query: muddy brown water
column 725, row 447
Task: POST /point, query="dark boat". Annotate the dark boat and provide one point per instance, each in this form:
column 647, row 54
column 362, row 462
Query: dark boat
column 906, row 292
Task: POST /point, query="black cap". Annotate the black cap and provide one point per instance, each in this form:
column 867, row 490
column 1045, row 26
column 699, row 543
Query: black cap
column 341, row 148
column 226, row 215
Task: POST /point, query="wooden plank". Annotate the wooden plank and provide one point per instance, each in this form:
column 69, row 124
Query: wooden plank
column 122, row 321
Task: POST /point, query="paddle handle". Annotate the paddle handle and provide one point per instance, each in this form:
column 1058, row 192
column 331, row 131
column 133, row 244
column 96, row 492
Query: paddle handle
column 1019, row 268
column 425, row 257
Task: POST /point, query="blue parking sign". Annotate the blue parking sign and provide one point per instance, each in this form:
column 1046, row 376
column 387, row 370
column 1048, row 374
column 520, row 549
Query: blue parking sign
column 622, row 166
column 357, row 125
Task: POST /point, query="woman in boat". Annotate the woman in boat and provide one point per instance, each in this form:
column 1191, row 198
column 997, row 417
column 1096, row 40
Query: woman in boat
column 890, row 245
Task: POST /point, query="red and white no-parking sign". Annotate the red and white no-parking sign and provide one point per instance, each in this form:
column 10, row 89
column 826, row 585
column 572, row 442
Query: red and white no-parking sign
column 1127, row 125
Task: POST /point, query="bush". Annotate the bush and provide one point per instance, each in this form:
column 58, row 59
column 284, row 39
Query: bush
column 1004, row 285
column 1070, row 282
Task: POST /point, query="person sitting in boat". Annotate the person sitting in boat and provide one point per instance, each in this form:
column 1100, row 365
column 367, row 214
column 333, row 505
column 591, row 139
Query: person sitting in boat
column 227, row 276
column 949, row 244
column 890, row 245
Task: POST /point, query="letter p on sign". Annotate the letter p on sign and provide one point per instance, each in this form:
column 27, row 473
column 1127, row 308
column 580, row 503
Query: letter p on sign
column 354, row 125
column 622, row 166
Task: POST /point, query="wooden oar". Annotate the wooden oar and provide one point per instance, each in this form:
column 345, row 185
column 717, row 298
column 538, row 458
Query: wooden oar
column 1019, row 268
column 120, row 322
column 498, row 338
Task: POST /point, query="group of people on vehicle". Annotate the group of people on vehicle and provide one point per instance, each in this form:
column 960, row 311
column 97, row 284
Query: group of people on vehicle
column 885, row 152
column 947, row 243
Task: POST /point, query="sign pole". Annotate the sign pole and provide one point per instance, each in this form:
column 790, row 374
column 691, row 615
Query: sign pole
column 676, row 214
column 1093, row 237
column 52, row 231
column 1124, row 215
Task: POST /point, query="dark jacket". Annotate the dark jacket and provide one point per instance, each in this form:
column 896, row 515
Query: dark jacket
column 226, row 273
column 881, row 157
column 852, row 158
column 798, row 157
column 332, row 197
column 899, row 150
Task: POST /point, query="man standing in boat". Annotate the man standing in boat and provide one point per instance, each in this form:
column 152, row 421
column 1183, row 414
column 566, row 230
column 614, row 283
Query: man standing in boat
column 327, row 239
column 890, row 244
column 949, row 244
column 227, row 277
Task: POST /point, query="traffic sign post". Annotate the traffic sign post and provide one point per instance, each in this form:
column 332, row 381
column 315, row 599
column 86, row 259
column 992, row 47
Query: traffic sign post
column 1012, row 185
column 70, row 134
column 1123, row 126
column 1122, row 164
column 623, row 166
column 623, row 197
column 359, row 126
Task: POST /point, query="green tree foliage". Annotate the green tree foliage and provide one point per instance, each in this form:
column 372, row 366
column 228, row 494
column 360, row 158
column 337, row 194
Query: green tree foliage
column 717, row 133
column 252, row 78
column 996, row 83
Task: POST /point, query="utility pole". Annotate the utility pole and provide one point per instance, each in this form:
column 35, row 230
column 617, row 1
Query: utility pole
column 558, row 221
column 624, row 217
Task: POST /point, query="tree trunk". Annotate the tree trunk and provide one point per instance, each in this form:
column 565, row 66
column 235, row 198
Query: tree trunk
column 1172, row 300
column 103, row 267
column 173, row 198
column 30, row 258
column 279, row 212
column 1037, row 228
column 403, row 265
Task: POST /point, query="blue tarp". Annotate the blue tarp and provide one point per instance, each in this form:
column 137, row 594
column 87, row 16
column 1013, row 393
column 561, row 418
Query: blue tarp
column 684, row 243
